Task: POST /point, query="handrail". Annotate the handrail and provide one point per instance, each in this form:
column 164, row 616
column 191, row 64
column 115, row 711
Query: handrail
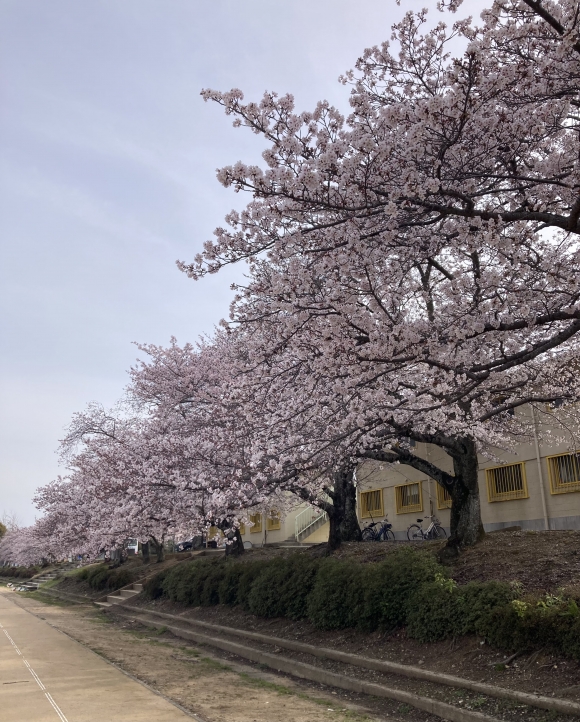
column 309, row 516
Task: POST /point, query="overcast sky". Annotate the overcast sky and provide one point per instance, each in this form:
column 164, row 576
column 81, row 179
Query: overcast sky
column 108, row 177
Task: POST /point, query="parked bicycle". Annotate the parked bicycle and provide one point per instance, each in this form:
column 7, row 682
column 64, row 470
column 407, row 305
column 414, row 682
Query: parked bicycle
column 378, row 531
column 434, row 531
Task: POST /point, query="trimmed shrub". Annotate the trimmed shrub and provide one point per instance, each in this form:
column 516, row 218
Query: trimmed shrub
column 407, row 589
column 391, row 585
column 153, row 587
column 82, row 575
column 299, row 583
column 336, row 599
column 533, row 623
column 436, row 611
column 250, row 572
column 119, row 578
column 282, row 589
column 98, row 576
column 228, row 589
column 210, row 593
column 101, row 577
column 186, row 582
column 481, row 599
column 18, row 572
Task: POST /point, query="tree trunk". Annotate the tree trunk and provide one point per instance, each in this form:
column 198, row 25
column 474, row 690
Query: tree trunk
column 159, row 549
column 236, row 547
column 145, row 552
column 466, row 524
column 344, row 524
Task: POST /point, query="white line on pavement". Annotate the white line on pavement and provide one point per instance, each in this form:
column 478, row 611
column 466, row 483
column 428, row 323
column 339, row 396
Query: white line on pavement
column 57, row 709
column 37, row 679
column 33, row 673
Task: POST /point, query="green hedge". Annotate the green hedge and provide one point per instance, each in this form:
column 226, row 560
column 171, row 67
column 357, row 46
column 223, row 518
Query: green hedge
column 19, row 572
column 101, row 577
column 408, row 589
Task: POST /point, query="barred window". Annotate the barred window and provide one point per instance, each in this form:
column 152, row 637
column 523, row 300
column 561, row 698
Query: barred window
column 371, row 503
column 507, row 482
column 409, row 498
column 256, row 520
column 242, row 528
column 443, row 497
column 564, row 471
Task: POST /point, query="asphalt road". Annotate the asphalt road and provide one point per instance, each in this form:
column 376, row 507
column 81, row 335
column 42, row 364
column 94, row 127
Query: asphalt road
column 47, row 677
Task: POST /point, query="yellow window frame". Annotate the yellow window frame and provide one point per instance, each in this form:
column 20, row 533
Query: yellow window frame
column 557, row 486
column 443, row 497
column 273, row 521
column 372, row 504
column 499, row 479
column 242, row 528
column 256, row 520
column 402, row 498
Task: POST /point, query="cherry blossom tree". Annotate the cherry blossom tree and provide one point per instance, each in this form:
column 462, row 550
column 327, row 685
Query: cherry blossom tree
column 420, row 258
column 22, row 547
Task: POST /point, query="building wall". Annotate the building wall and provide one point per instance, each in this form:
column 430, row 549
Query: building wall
column 541, row 509
column 561, row 511
column 319, row 536
column 267, row 536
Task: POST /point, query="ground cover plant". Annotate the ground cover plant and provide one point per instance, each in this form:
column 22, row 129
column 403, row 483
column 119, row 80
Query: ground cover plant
column 408, row 589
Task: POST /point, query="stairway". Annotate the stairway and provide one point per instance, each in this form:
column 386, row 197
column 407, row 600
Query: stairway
column 308, row 521
column 121, row 595
column 31, row 585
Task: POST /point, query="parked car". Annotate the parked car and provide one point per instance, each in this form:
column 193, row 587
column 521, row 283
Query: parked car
column 188, row 544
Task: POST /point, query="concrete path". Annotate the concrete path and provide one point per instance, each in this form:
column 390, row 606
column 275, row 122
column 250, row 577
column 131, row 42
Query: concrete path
column 47, row 677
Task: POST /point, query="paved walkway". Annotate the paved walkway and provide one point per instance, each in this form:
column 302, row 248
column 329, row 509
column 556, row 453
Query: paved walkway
column 47, row 677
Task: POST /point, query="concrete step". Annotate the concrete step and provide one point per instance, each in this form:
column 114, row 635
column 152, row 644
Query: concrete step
column 138, row 587
column 128, row 593
column 114, row 599
column 103, row 604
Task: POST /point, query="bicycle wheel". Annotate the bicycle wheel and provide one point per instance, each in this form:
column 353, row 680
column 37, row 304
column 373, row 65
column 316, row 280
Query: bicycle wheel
column 414, row 533
column 368, row 534
column 438, row 532
column 388, row 535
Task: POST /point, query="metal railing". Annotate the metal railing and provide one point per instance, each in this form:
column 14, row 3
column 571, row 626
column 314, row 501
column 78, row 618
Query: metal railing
column 309, row 517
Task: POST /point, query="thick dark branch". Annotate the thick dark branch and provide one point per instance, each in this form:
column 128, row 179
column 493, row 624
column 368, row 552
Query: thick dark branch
column 537, row 7
column 406, row 457
column 516, row 404
column 528, row 354
column 550, row 219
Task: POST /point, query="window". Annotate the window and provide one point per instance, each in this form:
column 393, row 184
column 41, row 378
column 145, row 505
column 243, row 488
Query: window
column 371, row 503
column 256, row 520
column 273, row 521
column 505, row 483
column 409, row 498
column 564, row 471
column 242, row 528
column 443, row 497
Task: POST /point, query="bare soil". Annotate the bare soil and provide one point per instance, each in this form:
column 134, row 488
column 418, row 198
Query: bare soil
column 543, row 561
